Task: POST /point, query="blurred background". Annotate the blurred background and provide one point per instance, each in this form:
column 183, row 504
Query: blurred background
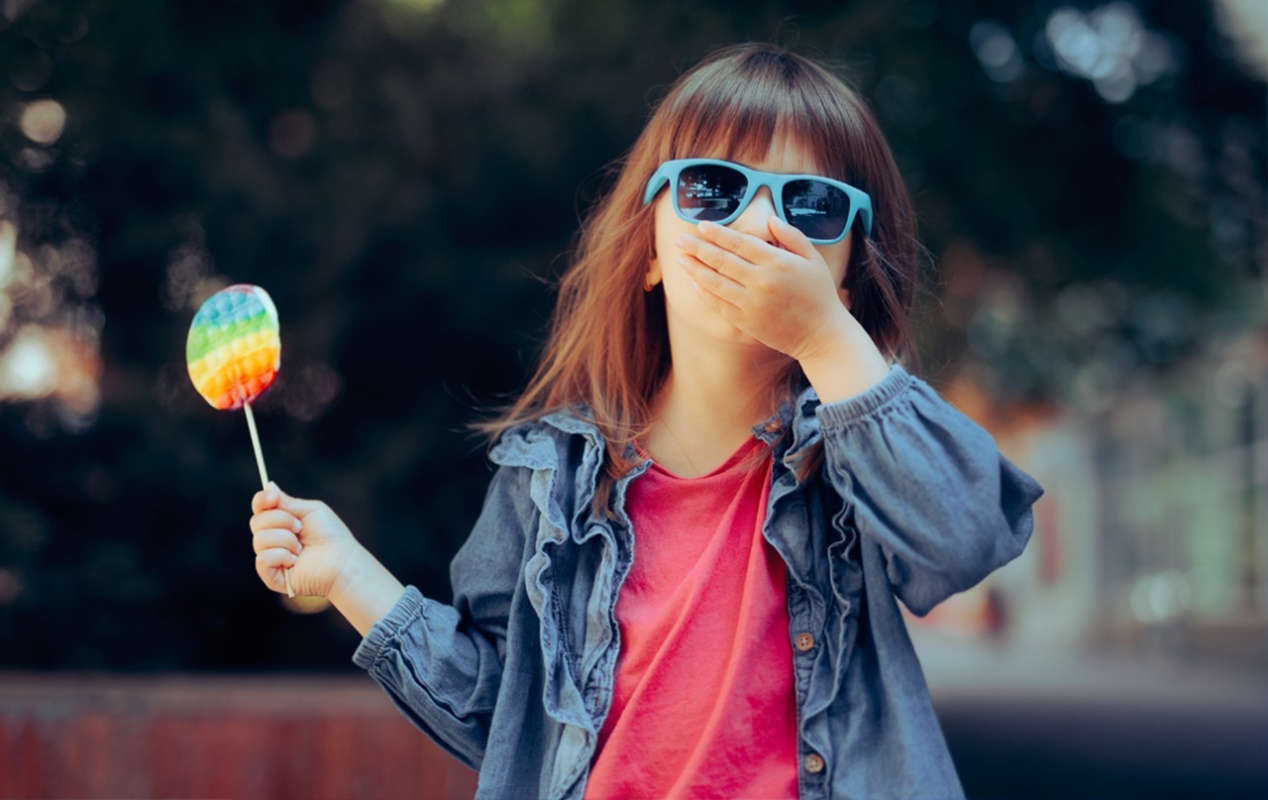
column 405, row 178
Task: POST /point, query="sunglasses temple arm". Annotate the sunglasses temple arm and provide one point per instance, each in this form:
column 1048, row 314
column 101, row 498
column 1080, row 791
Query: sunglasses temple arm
column 654, row 186
column 865, row 211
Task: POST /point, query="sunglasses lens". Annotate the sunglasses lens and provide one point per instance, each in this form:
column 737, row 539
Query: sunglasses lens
column 817, row 209
column 710, row 192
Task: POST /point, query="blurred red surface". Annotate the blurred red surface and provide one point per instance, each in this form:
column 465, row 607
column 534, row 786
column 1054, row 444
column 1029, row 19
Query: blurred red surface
column 177, row 736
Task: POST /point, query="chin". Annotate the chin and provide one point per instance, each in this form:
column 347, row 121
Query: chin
column 732, row 335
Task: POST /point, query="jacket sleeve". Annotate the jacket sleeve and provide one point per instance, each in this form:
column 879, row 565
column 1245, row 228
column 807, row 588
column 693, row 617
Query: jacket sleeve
column 442, row 664
column 928, row 486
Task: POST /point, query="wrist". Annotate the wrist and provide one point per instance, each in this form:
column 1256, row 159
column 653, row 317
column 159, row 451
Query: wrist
column 843, row 361
column 364, row 591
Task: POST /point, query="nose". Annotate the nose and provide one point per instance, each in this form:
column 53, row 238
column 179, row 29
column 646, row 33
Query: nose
column 755, row 219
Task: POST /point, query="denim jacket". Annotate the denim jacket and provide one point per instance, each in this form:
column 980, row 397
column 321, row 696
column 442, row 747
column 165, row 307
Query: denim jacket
column 913, row 501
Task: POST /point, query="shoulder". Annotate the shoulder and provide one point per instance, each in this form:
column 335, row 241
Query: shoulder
column 561, row 438
column 549, row 468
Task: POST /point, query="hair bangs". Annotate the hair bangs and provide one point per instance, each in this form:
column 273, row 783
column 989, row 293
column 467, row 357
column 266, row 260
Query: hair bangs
column 735, row 111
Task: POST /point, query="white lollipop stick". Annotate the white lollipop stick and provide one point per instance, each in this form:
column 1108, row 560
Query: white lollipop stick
column 264, row 477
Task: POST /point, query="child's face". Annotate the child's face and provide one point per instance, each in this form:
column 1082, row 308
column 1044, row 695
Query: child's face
column 684, row 308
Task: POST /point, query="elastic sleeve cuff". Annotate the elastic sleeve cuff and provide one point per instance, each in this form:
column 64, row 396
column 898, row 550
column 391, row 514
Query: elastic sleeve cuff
column 385, row 631
column 844, row 412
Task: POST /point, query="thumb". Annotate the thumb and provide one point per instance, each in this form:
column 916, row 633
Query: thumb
column 791, row 238
column 296, row 505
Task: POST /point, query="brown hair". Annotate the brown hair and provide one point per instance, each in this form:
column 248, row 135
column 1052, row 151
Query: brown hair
column 608, row 347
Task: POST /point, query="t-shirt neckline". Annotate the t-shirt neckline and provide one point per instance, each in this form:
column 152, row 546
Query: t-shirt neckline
column 741, row 453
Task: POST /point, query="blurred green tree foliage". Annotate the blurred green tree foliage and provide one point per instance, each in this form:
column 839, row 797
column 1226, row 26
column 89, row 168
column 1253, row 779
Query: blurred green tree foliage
column 403, row 176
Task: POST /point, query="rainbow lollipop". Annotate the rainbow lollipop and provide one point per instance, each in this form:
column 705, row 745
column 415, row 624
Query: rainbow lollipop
column 233, row 353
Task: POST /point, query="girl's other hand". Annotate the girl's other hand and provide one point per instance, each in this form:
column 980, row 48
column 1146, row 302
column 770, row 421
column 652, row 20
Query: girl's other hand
column 304, row 536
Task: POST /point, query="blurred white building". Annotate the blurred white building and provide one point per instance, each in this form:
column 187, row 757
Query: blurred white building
column 1153, row 532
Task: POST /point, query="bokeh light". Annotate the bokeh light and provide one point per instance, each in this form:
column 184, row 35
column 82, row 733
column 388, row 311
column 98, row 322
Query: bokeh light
column 43, row 121
column 1111, row 47
column 995, row 48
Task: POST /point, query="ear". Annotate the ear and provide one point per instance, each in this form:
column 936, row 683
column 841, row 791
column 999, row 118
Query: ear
column 653, row 276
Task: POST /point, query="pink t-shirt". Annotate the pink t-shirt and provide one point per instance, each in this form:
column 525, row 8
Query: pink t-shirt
column 703, row 704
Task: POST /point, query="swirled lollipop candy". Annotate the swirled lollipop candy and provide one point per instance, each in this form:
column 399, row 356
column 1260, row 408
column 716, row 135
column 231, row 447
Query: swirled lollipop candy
column 233, row 354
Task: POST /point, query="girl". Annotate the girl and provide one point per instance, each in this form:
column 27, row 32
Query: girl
column 683, row 579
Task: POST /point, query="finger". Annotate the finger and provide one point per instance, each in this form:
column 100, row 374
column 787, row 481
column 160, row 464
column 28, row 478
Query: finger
column 712, row 282
column 749, row 249
column 270, row 566
column 739, row 266
column 716, row 291
column 265, row 499
column 297, row 506
column 276, row 540
column 710, row 279
column 275, row 518
column 792, row 239
column 713, row 258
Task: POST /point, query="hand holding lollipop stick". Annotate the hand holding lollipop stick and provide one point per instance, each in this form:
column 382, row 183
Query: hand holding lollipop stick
column 233, row 353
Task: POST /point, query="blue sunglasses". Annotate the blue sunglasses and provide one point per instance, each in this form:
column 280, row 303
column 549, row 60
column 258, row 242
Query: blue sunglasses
column 719, row 191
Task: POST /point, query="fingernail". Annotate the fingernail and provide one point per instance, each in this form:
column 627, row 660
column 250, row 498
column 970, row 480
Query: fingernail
column 706, row 225
column 684, row 241
column 686, row 262
column 297, row 526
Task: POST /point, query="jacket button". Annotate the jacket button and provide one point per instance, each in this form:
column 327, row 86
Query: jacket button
column 804, row 642
column 814, row 764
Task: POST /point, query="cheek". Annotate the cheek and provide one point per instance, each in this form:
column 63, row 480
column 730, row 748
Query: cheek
column 668, row 227
column 837, row 257
column 661, row 242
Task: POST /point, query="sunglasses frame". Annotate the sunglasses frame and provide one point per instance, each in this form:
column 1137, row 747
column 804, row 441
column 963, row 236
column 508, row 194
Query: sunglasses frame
column 669, row 172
